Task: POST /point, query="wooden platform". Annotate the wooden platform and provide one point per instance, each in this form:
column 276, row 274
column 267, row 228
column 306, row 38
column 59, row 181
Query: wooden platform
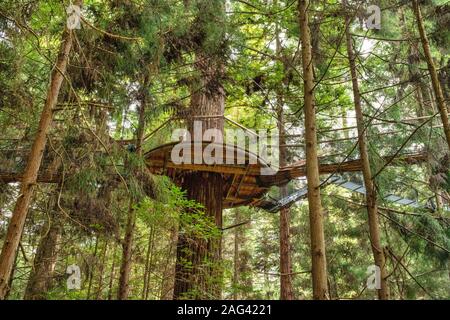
column 241, row 180
column 244, row 183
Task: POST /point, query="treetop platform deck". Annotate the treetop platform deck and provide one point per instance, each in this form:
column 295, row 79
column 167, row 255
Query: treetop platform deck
column 245, row 182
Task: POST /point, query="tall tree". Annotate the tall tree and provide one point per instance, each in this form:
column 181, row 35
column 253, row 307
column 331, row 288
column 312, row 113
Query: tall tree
column 197, row 266
column 127, row 245
column 42, row 273
column 319, row 264
column 28, row 182
column 372, row 209
column 286, row 291
column 440, row 100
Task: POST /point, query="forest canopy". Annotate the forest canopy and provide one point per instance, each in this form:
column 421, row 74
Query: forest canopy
column 224, row 149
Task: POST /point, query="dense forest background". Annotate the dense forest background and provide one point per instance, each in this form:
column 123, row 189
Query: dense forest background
column 83, row 217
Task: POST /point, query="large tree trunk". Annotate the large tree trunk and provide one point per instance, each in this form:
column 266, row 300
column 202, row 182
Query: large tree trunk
column 203, row 281
column 127, row 245
column 372, row 210
column 41, row 276
column 440, row 100
column 16, row 225
column 319, row 265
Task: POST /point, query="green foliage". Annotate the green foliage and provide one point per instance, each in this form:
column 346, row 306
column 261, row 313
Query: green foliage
column 148, row 49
